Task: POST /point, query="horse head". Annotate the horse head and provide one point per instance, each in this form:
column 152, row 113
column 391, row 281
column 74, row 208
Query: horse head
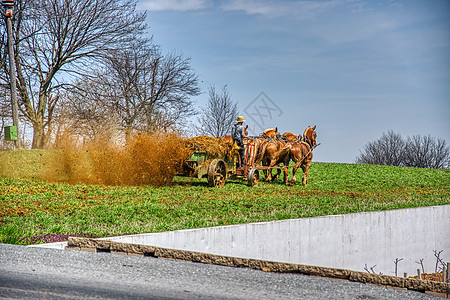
column 309, row 136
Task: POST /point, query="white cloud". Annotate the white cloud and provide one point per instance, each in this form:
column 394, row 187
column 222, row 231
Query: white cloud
column 274, row 8
column 180, row 5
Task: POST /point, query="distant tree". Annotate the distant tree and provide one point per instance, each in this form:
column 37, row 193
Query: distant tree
column 416, row 151
column 219, row 113
column 388, row 150
column 427, row 152
column 57, row 39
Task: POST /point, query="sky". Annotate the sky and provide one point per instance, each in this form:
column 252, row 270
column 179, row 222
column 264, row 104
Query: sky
column 353, row 68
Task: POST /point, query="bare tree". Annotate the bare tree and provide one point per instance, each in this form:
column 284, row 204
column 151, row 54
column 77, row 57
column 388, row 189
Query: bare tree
column 55, row 39
column 417, row 151
column 81, row 114
column 427, row 152
column 388, row 150
column 138, row 87
column 219, row 113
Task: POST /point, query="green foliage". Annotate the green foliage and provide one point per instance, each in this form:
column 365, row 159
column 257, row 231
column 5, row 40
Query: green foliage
column 29, row 207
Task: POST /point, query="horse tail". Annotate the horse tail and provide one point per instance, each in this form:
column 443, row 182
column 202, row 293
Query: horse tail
column 283, row 151
column 260, row 153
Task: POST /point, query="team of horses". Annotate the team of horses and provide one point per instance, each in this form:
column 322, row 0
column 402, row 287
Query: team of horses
column 274, row 149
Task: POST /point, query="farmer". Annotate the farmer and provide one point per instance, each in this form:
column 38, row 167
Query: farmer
column 238, row 134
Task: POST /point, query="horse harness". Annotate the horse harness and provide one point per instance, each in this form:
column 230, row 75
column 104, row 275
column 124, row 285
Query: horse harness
column 271, row 139
column 305, row 141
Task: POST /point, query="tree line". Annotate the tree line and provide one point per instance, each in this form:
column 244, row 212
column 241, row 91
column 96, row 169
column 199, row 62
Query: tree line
column 414, row 151
column 87, row 65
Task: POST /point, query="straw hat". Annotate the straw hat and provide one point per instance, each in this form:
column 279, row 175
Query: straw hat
column 240, row 119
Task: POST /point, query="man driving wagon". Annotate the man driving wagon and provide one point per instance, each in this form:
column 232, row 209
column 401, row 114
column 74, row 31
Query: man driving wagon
column 238, row 135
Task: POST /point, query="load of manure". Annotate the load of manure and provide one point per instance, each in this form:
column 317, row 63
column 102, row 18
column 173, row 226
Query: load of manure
column 219, row 147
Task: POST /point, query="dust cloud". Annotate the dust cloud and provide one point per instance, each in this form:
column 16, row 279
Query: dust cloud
column 143, row 160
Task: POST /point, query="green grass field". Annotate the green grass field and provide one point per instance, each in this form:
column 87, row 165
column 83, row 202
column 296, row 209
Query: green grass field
column 30, row 207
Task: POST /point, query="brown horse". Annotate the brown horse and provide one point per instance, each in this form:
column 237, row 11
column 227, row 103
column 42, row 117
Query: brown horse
column 267, row 152
column 300, row 151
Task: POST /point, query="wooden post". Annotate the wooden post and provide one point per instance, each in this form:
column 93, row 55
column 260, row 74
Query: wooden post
column 448, row 273
column 448, row 279
column 444, row 273
column 418, row 274
column 12, row 69
column 405, row 274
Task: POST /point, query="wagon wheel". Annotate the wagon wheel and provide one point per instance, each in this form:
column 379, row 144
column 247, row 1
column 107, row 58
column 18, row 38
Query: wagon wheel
column 253, row 177
column 217, row 173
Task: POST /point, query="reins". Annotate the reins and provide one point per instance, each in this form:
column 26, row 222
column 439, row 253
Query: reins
column 311, row 148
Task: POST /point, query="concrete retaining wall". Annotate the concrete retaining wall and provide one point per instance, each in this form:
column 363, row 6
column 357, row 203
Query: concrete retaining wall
column 341, row 241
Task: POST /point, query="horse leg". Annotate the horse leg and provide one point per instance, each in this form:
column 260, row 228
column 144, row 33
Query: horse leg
column 285, row 159
column 269, row 176
column 305, row 169
column 278, row 172
column 267, row 173
column 277, row 175
column 273, row 161
column 294, row 170
column 286, row 172
column 268, row 162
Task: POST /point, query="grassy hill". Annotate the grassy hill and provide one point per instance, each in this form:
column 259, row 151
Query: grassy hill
column 32, row 207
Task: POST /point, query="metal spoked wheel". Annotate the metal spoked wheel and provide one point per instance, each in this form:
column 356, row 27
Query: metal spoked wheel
column 217, row 173
column 253, row 177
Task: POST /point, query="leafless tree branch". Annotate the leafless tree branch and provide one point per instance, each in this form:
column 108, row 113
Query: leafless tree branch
column 219, row 113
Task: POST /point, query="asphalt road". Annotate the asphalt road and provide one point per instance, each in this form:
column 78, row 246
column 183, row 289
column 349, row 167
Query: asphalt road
column 39, row 273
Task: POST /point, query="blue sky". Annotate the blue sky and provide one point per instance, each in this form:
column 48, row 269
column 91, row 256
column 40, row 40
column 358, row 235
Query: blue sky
column 354, row 68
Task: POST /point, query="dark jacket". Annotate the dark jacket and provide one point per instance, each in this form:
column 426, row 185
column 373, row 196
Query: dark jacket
column 237, row 132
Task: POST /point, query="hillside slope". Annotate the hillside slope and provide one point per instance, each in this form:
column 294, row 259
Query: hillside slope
column 30, row 207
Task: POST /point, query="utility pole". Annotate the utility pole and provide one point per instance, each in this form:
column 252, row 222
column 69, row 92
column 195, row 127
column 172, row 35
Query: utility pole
column 9, row 7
